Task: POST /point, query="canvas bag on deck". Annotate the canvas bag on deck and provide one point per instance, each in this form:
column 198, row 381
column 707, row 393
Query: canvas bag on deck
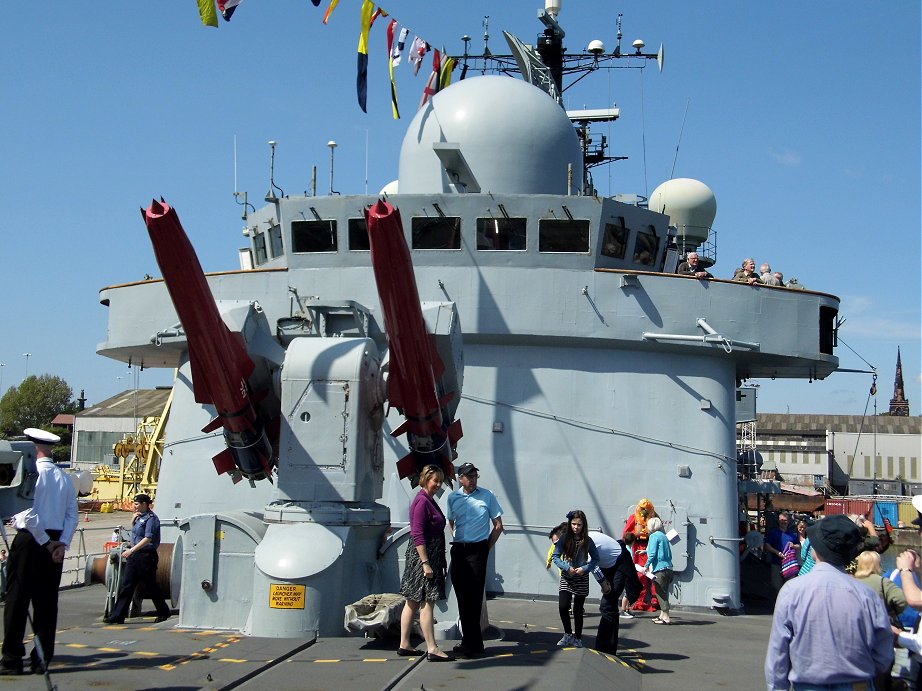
column 789, row 563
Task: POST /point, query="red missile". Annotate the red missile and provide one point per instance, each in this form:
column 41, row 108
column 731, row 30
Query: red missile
column 415, row 365
column 218, row 358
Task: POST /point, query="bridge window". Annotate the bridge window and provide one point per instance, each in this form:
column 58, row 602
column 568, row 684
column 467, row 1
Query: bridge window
column 646, row 247
column 358, row 234
column 313, row 236
column 828, row 329
column 440, row 233
column 501, row 233
column 566, row 235
column 259, row 248
column 275, row 241
column 615, row 240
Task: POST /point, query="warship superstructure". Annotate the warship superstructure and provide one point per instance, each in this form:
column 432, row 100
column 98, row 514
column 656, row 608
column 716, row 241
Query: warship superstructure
column 587, row 374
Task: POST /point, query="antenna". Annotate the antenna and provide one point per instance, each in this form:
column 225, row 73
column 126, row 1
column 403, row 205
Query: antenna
column 617, row 52
column 486, row 35
column 270, row 195
column 679, row 143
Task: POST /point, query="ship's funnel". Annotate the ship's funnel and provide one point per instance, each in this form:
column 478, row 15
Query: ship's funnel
column 691, row 207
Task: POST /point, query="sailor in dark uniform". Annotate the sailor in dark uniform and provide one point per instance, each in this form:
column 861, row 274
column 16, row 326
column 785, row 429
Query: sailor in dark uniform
column 36, row 559
column 141, row 564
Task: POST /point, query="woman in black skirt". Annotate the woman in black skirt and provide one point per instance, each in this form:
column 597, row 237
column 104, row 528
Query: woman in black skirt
column 576, row 556
column 424, row 568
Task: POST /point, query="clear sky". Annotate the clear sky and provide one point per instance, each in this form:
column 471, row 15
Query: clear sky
column 804, row 118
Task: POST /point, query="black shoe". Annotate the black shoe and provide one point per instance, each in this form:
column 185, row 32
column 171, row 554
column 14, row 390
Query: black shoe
column 461, row 651
column 161, row 617
column 36, row 668
column 440, row 658
column 409, row 652
column 112, row 620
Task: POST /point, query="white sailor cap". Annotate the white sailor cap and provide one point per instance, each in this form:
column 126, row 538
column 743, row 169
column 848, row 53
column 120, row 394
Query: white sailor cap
column 40, row 436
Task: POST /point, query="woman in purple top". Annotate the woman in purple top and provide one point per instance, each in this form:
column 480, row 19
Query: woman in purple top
column 424, row 566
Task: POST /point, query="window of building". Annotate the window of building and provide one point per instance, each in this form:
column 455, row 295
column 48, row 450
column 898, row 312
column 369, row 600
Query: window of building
column 501, row 233
column 556, row 235
column 614, row 242
column 358, row 234
column 646, row 246
column 275, row 241
column 313, row 236
column 259, row 248
column 438, row 233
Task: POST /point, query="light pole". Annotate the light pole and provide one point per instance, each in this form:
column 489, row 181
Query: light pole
column 332, row 146
column 27, row 356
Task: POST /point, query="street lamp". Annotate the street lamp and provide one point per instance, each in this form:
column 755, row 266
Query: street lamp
column 332, row 146
column 27, row 356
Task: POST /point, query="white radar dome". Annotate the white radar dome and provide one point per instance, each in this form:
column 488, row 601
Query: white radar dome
column 691, row 207
column 490, row 134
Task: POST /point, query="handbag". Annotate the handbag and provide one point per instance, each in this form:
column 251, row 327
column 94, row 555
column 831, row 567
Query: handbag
column 789, row 564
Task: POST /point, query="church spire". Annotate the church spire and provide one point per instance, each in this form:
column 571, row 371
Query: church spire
column 899, row 406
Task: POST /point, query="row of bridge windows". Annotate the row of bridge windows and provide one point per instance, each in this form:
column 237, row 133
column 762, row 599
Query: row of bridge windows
column 444, row 233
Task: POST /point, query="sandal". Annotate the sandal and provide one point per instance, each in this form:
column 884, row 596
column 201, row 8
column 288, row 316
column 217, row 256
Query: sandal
column 661, row 621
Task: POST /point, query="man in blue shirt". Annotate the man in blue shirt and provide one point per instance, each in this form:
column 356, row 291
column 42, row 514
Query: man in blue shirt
column 829, row 630
column 474, row 516
column 141, row 563
column 775, row 541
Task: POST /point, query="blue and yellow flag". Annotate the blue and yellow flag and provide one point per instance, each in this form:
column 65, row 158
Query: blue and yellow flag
column 361, row 80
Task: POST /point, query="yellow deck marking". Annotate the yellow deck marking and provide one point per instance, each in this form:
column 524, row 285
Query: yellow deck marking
column 76, row 645
column 230, row 659
column 374, row 659
column 146, row 654
column 537, row 652
column 111, row 650
column 327, row 660
column 168, row 668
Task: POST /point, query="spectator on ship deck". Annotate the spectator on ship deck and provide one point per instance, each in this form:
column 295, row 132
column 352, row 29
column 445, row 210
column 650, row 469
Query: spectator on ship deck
column 691, row 267
column 767, row 277
column 747, row 274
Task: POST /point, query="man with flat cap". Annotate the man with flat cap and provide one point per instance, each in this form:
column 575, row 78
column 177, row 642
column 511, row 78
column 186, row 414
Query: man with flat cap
column 829, row 630
column 474, row 515
column 36, row 559
column 141, row 564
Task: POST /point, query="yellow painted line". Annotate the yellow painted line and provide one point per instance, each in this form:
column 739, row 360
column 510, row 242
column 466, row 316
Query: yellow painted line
column 230, row 659
column 375, row 659
column 209, row 650
column 76, row 645
column 111, row 650
column 327, row 660
column 168, row 668
column 537, row 652
column 146, row 654
column 504, row 655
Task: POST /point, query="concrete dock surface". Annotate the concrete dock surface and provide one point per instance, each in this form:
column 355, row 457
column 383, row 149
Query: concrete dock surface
column 700, row 650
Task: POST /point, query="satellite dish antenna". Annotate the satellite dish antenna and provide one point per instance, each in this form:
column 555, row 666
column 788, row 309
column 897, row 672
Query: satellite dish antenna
column 660, row 57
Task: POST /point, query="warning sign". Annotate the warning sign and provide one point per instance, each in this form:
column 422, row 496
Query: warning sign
column 286, row 596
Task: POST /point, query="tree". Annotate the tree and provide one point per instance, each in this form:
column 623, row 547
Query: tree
column 35, row 403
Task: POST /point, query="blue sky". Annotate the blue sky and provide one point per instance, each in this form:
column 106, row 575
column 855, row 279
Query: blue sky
column 804, row 118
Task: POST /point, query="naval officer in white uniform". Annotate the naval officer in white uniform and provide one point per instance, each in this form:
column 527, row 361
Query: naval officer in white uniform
column 36, row 559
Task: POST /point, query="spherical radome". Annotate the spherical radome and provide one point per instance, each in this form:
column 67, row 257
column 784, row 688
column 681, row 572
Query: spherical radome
column 512, row 137
column 690, row 205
